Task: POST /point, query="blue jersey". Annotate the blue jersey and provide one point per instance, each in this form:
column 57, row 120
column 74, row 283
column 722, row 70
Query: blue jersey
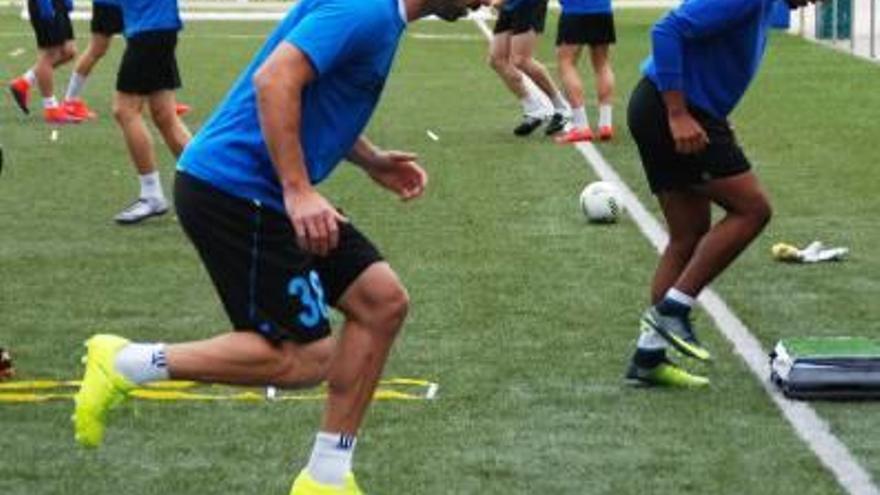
column 351, row 45
column 710, row 50
column 111, row 3
column 585, row 6
column 46, row 8
column 140, row 16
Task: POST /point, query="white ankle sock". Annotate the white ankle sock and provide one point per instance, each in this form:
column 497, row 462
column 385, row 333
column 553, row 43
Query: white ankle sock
column 75, row 86
column 331, row 458
column 605, row 119
column 30, row 77
column 579, row 117
column 651, row 341
column 680, row 297
column 532, row 106
column 50, row 102
column 142, row 363
column 559, row 103
column 151, row 186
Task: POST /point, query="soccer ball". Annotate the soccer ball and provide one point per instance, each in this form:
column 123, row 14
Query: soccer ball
column 601, row 203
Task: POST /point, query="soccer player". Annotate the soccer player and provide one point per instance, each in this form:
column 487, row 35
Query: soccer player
column 511, row 55
column 277, row 251
column 6, row 368
column 106, row 22
column 586, row 22
column 55, row 47
column 148, row 74
column 705, row 54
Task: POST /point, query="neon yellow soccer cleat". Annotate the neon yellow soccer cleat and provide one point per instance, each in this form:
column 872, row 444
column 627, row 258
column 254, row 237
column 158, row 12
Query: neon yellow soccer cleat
column 102, row 389
column 305, row 485
column 665, row 374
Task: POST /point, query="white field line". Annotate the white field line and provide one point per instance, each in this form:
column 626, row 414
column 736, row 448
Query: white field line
column 811, row 428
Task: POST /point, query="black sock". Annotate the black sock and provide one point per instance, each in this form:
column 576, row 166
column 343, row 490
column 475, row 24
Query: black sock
column 671, row 307
column 649, row 358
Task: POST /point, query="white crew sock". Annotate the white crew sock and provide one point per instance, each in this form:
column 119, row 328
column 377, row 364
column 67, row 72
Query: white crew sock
column 680, row 297
column 151, row 186
column 50, row 102
column 331, row 458
column 75, row 86
column 651, row 341
column 142, row 363
column 532, row 106
column 559, row 103
column 30, row 77
column 605, row 115
column 579, row 117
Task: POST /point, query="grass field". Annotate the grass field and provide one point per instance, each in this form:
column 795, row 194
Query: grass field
column 524, row 314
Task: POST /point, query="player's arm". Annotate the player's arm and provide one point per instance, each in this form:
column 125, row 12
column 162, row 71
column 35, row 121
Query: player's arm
column 279, row 84
column 397, row 171
column 692, row 20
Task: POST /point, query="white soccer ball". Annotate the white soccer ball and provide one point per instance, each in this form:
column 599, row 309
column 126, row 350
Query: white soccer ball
column 601, row 202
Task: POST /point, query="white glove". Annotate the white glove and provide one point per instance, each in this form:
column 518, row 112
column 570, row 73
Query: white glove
column 813, row 253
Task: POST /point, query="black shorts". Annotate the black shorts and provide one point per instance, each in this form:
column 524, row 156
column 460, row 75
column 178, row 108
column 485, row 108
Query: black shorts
column 586, row 29
column 149, row 64
column 667, row 169
column 266, row 282
column 106, row 19
column 51, row 32
column 530, row 16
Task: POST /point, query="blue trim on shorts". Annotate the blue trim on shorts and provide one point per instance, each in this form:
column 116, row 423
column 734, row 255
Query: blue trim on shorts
column 255, row 256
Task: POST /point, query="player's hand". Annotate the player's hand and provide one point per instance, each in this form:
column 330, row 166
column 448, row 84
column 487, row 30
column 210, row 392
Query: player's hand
column 400, row 173
column 689, row 135
column 315, row 221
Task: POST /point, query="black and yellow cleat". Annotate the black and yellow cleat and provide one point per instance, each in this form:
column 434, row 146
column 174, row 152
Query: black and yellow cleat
column 676, row 330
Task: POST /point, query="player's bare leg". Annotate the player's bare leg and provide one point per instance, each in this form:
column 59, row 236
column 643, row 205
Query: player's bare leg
column 500, row 61
column 747, row 212
column 567, row 57
column 247, row 358
column 163, row 108
column 600, row 58
column 127, row 109
column 44, row 70
column 73, row 102
column 522, row 56
column 688, row 217
column 375, row 306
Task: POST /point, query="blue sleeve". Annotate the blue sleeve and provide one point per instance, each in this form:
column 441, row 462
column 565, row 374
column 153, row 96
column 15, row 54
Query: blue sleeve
column 47, row 11
column 692, row 20
column 332, row 33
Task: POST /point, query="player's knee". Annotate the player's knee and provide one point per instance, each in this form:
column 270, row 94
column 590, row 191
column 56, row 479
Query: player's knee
column 497, row 62
column 388, row 309
column 520, row 62
column 165, row 117
column 123, row 114
column 761, row 212
column 67, row 54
